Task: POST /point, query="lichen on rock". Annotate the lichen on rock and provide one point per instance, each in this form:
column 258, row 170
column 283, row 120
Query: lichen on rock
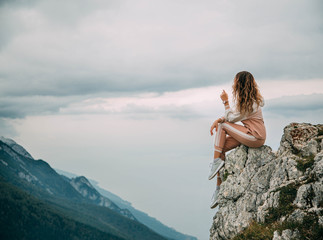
column 281, row 192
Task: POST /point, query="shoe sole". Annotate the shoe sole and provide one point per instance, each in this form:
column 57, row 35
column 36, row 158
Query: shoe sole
column 214, row 205
column 216, row 171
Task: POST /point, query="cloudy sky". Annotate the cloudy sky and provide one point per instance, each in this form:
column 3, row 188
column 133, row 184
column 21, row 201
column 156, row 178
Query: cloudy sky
column 124, row 92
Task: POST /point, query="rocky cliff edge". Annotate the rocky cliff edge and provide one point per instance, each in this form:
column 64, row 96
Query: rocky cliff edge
column 267, row 195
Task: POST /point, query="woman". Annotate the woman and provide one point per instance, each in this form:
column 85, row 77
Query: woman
column 248, row 103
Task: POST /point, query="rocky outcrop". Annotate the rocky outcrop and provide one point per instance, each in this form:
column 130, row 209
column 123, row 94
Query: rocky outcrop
column 279, row 194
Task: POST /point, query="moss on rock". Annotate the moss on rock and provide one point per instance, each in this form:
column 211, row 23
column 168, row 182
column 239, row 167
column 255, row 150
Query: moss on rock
column 305, row 162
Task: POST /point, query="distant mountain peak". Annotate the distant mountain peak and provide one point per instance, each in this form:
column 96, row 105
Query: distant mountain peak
column 16, row 147
column 83, row 186
column 86, row 189
column 84, row 180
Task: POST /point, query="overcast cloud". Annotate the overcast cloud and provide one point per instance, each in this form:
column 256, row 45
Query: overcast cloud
column 122, row 82
column 85, row 47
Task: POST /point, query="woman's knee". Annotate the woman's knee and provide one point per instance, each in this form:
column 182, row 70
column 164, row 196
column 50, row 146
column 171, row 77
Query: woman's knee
column 259, row 143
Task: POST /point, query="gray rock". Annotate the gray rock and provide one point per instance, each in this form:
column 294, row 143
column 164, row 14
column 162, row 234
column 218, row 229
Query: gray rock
column 296, row 216
column 311, row 148
column 256, row 176
column 298, row 135
column 235, row 161
column 321, row 220
column 269, row 200
column 317, row 200
column 287, row 234
column 318, row 165
column 304, row 196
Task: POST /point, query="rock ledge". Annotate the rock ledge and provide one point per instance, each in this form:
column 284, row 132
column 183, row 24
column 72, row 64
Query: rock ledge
column 281, row 192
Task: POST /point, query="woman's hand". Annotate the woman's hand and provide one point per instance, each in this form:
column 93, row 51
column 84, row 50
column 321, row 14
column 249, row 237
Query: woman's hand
column 214, row 125
column 224, row 96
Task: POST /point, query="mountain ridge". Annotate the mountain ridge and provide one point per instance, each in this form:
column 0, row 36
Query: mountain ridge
column 141, row 216
column 36, row 177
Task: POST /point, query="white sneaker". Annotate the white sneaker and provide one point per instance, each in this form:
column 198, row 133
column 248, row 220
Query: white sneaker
column 216, row 165
column 214, row 201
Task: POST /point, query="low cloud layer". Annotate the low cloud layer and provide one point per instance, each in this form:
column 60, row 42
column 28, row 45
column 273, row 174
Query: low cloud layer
column 20, row 107
column 287, row 99
column 296, row 105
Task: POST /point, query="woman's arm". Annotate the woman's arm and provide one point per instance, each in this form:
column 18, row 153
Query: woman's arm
column 233, row 116
column 215, row 125
column 230, row 115
column 225, row 99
